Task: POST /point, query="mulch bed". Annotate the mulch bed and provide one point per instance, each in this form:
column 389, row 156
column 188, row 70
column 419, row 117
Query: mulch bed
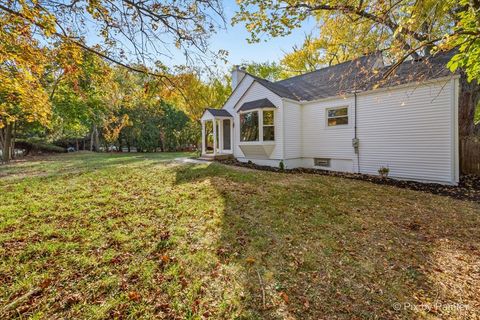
column 467, row 189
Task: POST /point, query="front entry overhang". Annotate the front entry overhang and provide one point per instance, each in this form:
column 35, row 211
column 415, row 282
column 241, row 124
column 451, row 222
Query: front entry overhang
column 222, row 132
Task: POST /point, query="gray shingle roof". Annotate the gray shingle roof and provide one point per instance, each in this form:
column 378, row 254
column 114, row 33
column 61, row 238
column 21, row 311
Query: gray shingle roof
column 280, row 90
column 256, row 104
column 219, row 112
column 360, row 74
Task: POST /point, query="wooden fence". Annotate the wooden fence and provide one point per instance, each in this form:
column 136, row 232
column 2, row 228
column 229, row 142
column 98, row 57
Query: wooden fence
column 470, row 155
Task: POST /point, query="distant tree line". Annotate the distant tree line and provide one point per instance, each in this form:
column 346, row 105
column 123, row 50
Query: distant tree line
column 57, row 87
column 89, row 104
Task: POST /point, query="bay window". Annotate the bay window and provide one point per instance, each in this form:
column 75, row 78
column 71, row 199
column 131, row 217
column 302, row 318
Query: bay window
column 268, row 126
column 249, row 126
column 251, row 122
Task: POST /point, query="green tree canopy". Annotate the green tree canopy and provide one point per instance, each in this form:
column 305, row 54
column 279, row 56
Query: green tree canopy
column 349, row 28
column 272, row 71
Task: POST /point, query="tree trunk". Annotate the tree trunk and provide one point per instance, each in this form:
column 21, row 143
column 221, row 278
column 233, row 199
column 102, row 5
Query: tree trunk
column 469, row 98
column 2, row 138
column 120, row 145
column 78, row 147
column 91, row 140
column 7, row 142
column 12, row 143
column 160, row 142
column 96, row 140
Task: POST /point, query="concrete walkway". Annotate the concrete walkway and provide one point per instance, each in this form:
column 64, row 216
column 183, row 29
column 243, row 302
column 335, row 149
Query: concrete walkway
column 190, row 160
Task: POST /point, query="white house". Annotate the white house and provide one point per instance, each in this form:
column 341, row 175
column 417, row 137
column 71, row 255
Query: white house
column 345, row 118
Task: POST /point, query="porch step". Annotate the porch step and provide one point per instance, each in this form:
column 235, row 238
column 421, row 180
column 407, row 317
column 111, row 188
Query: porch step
column 204, row 158
column 211, row 157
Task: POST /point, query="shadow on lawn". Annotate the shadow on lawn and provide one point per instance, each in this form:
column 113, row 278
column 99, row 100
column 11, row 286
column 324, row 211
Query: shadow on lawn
column 79, row 163
column 325, row 247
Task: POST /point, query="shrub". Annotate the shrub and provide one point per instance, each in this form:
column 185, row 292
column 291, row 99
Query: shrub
column 383, row 172
column 38, row 147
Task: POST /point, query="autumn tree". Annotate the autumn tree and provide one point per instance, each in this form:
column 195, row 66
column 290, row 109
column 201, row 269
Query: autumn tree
column 337, row 41
column 267, row 70
column 139, row 115
column 400, row 29
column 129, row 32
column 400, row 25
column 23, row 99
column 127, row 29
column 195, row 93
column 403, row 27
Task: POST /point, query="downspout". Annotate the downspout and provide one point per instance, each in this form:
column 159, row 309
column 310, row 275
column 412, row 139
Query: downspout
column 355, row 141
column 283, row 133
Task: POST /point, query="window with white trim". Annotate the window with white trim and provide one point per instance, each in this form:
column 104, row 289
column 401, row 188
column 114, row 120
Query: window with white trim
column 251, row 122
column 268, row 126
column 337, row 116
column 249, row 126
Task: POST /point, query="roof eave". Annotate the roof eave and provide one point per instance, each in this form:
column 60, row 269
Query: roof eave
column 382, row 89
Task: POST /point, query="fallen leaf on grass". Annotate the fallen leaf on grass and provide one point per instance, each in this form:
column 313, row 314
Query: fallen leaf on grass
column 45, row 283
column 163, row 307
column 183, row 282
column 165, row 259
column 306, row 304
column 284, row 296
column 71, row 300
column 134, row 296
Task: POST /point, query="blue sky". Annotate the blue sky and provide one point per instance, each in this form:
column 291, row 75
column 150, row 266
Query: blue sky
column 234, row 41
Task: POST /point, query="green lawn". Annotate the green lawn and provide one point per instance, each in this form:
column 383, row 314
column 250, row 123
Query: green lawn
column 99, row 236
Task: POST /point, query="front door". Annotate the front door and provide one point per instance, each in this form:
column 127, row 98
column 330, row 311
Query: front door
column 226, row 135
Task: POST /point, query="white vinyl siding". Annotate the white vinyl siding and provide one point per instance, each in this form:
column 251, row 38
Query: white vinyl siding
column 409, row 130
column 322, row 141
column 237, row 94
column 256, row 92
column 293, row 130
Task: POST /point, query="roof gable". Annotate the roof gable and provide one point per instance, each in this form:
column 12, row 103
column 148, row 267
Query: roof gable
column 254, row 86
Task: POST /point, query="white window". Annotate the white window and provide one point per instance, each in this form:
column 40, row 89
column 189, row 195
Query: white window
column 337, row 116
column 251, row 122
column 268, row 126
column 249, row 126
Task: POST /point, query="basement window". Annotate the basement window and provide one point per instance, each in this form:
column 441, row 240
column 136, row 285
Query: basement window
column 321, row 162
column 337, row 116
